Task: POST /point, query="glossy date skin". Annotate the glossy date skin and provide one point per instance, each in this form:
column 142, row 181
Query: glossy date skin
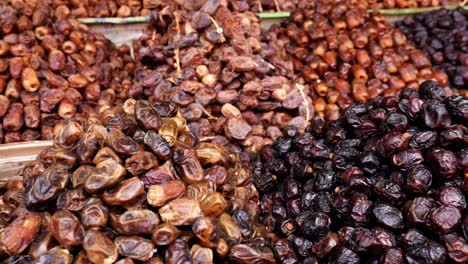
column 395, row 194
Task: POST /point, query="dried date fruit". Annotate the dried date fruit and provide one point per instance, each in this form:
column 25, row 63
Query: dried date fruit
column 20, row 233
column 147, row 115
column 187, row 160
column 141, row 163
column 134, row 247
column 56, row 255
column 125, row 191
column 72, row 200
column 67, row 229
column 134, row 222
column 160, row 194
column 392, row 194
column 99, row 248
column 181, row 211
column 47, row 186
column 158, row 145
column 94, row 213
column 106, row 174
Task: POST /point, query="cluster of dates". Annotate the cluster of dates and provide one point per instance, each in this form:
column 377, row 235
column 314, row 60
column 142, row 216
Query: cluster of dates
column 130, row 185
column 106, row 8
column 386, row 183
column 211, row 61
column 53, row 69
column 442, row 34
column 407, row 3
column 127, row 8
column 349, row 55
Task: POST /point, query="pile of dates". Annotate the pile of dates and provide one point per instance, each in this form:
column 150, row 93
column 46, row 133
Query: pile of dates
column 127, row 8
column 106, row 8
column 53, row 68
column 133, row 185
column 348, row 55
column 386, row 183
column 406, row 3
column 231, row 86
column 442, row 34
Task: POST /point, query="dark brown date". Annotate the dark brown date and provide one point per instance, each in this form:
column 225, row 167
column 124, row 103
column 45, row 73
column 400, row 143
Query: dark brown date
column 94, row 213
column 187, row 160
column 47, row 186
column 106, row 174
column 67, row 229
column 141, row 162
column 158, row 145
column 125, row 192
column 147, row 116
column 134, row 247
column 121, row 143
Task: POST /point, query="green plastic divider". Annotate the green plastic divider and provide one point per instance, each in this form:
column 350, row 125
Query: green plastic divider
column 274, row 15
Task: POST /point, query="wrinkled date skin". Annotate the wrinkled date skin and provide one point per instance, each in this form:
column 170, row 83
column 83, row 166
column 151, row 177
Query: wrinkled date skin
column 20, row 233
column 57, row 156
column 72, row 200
column 187, row 160
column 135, row 222
column 158, row 145
column 99, row 248
column 181, row 211
column 124, row 192
column 164, row 234
column 106, row 174
column 141, row 163
column 67, row 229
column 47, row 186
column 178, row 252
column 134, row 247
column 94, row 213
column 121, row 143
column 246, row 254
column 147, row 116
column 56, row 255
column 88, row 146
column 69, row 135
column 159, row 194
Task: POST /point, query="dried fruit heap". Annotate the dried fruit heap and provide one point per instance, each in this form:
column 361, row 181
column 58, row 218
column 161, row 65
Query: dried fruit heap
column 52, row 68
column 443, row 35
column 132, row 184
column 386, row 182
column 212, row 62
column 348, row 55
column 126, row 8
column 407, row 3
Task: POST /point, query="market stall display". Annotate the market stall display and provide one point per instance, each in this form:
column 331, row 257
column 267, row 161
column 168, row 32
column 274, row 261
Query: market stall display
column 213, row 136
